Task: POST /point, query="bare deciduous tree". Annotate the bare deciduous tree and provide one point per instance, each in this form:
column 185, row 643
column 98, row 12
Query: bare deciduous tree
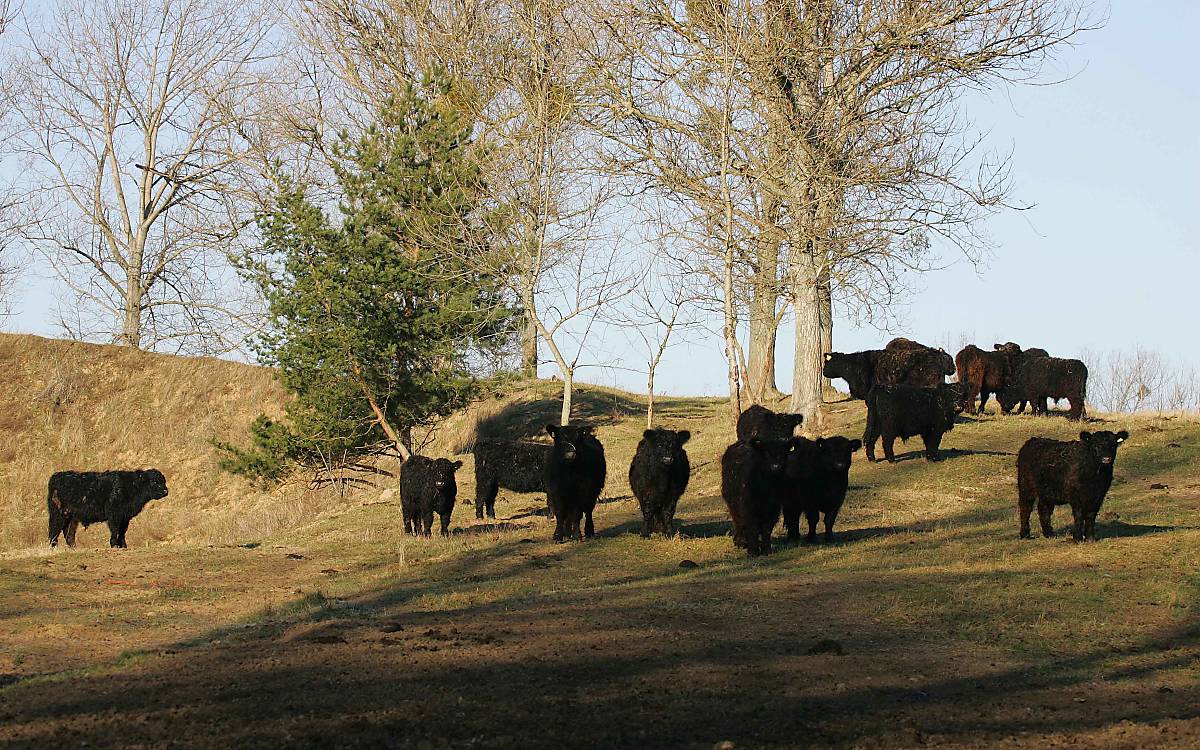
column 126, row 114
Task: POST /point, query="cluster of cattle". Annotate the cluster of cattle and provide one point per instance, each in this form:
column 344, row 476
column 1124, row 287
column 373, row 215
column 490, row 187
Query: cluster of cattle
column 768, row 473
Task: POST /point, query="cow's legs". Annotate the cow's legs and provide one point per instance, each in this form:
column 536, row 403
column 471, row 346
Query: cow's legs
column 408, row 521
column 791, row 520
column 648, row 523
column 427, row 521
column 970, row 396
column 830, row 517
column 1045, row 511
column 812, row 516
column 1076, row 412
column 114, row 533
column 124, row 526
column 984, row 393
column 589, row 529
column 445, row 523
column 57, row 525
column 869, row 441
column 1026, row 498
column 932, row 440
column 889, row 443
column 1078, row 525
column 1089, row 527
column 485, row 498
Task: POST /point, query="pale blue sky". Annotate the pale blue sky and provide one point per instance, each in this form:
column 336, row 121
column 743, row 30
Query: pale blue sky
column 1107, row 259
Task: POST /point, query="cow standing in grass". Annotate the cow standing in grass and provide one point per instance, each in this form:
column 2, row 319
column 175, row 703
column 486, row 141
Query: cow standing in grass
column 1015, row 356
column 574, row 475
column 819, row 472
column 754, row 484
column 902, row 364
column 902, row 411
column 658, row 477
column 427, row 486
column 982, row 373
column 1035, row 379
column 1076, row 473
column 88, row 497
column 510, row 464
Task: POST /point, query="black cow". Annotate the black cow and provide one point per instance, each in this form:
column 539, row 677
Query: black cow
column 819, row 471
column 1015, row 355
column 903, row 411
column 88, row 497
column 513, row 465
column 764, row 424
column 982, row 373
column 658, row 476
column 427, row 486
column 1035, row 379
column 1076, row 473
column 754, row 483
column 574, row 475
column 923, row 367
column 938, row 355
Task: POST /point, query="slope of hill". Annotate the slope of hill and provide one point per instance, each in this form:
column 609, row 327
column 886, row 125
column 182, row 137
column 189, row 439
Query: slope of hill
column 334, row 629
column 70, row 405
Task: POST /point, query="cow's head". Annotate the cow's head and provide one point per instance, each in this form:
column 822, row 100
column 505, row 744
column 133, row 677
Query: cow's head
column 568, row 438
column 1103, row 444
column 774, row 453
column 1008, row 348
column 443, row 473
column 837, row 452
column 951, row 401
column 664, row 446
column 853, row 368
column 153, row 481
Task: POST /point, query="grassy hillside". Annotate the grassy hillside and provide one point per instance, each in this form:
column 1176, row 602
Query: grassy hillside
column 69, row 405
column 337, row 630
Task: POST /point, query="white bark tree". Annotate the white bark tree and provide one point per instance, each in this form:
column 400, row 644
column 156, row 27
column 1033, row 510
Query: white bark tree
column 126, row 115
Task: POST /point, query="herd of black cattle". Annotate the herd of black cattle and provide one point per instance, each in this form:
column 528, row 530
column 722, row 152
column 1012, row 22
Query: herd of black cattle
column 768, row 473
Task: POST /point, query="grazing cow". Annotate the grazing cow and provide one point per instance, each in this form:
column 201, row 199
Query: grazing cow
column 1015, row 354
column 426, row 486
column 924, row 367
column 819, row 471
column 982, row 374
column 658, row 476
column 754, row 483
column 88, row 497
column 574, row 475
column 764, row 424
column 1035, row 379
column 902, row 411
column 1057, row 472
column 513, row 465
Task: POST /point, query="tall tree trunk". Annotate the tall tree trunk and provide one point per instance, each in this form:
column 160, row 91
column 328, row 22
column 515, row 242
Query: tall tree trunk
column 760, row 354
column 131, row 325
column 650, row 400
column 529, row 349
column 826, row 292
column 568, row 393
column 806, row 371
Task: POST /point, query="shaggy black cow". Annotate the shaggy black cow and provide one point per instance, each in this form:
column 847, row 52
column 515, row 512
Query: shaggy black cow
column 764, row 424
column 924, row 367
column 574, row 475
column 658, row 476
column 1035, row 379
column 1076, row 473
column 427, row 486
column 509, row 464
column 754, row 483
column 819, row 471
column 88, row 497
column 937, row 355
column 902, row 411
column 1015, row 355
column 982, row 373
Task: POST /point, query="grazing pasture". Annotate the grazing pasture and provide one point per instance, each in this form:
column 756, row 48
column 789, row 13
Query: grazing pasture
column 927, row 622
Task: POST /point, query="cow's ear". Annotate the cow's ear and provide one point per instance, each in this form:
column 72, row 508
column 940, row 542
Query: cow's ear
column 648, row 434
column 997, row 347
column 1085, row 436
column 457, row 465
column 855, row 445
column 684, row 436
column 552, row 429
column 799, row 419
column 1122, row 436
